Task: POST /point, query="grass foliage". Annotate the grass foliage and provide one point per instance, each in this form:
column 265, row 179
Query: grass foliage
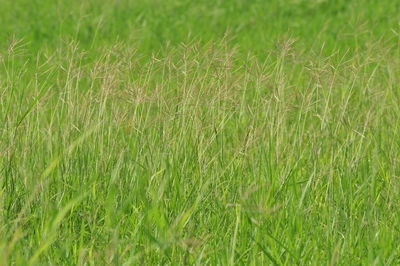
column 179, row 132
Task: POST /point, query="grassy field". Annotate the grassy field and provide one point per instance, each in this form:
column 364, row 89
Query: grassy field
column 178, row 132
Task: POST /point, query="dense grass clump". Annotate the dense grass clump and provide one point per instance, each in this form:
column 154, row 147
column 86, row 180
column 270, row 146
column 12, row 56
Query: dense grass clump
column 210, row 146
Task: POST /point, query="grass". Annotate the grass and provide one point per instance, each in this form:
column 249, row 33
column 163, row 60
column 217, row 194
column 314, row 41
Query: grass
column 181, row 132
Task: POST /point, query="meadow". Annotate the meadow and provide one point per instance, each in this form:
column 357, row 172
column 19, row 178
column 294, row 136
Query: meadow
column 178, row 132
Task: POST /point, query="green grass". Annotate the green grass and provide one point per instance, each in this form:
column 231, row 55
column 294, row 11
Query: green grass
column 199, row 132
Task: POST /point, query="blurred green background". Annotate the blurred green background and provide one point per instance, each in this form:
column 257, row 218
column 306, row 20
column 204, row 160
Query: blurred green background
column 253, row 25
